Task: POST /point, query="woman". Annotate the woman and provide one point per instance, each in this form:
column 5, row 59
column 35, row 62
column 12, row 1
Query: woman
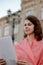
column 30, row 50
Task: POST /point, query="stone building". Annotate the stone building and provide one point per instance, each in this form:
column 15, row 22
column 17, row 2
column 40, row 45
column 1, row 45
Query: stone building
column 13, row 25
column 9, row 26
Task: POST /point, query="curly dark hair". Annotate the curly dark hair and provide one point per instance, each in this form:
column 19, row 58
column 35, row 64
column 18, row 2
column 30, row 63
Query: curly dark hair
column 37, row 27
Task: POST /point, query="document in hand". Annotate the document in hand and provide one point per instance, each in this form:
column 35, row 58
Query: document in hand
column 7, row 50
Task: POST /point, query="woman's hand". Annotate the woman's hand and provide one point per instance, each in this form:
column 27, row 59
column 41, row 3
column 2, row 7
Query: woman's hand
column 20, row 62
column 2, row 62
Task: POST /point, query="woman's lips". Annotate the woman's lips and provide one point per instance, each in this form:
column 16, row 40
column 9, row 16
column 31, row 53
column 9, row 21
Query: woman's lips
column 27, row 29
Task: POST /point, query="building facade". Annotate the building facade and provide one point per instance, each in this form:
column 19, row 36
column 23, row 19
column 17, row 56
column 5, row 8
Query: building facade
column 9, row 26
column 13, row 25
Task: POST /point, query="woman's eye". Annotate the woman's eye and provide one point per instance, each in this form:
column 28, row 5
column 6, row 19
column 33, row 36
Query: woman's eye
column 25, row 25
column 29, row 24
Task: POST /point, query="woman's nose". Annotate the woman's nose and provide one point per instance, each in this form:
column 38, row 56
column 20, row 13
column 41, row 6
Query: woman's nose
column 26, row 27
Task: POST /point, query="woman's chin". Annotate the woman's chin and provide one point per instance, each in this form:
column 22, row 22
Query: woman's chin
column 29, row 33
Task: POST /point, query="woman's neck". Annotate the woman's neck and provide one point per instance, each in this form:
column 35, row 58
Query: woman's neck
column 30, row 38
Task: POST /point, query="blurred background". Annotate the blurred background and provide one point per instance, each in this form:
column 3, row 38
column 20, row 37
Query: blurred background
column 12, row 16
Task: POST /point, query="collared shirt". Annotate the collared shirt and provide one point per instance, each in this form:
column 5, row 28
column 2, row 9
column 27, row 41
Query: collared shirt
column 31, row 53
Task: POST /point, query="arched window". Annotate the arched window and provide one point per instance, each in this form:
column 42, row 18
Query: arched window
column 16, row 26
column 6, row 30
column 29, row 12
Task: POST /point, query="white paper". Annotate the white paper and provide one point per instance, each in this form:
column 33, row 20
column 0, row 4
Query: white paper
column 7, row 50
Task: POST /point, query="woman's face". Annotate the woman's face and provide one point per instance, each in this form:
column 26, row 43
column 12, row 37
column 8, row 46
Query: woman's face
column 28, row 27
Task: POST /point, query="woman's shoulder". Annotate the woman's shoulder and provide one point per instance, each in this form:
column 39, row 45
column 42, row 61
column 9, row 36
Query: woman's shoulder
column 40, row 43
